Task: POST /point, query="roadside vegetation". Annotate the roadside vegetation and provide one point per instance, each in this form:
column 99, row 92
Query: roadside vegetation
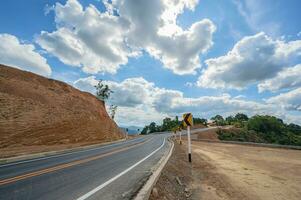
column 169, row 124
column 260, row 129
column 240, row 127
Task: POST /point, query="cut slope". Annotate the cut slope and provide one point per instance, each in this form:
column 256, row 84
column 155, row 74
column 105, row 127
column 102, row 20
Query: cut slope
column 35, row 110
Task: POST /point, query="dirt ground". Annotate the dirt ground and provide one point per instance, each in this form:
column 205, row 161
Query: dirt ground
column 207, row 135
column 176, row 178
column 239, row 171
column 232, row 171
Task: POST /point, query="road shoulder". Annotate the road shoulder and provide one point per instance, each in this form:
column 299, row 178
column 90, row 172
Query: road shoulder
column 175, row 181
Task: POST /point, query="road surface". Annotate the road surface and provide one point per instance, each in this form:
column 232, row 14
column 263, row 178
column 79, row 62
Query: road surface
column 114, row 171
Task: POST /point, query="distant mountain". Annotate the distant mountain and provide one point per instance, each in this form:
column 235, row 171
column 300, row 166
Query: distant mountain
column 132, row 129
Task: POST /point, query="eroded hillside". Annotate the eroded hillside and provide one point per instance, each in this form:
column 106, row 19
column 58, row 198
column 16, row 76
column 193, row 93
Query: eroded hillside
column 35, row 111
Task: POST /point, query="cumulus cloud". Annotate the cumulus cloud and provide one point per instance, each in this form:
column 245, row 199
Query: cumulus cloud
column 289, row 101
column 156, row 31
column 150, row 103
column 87, row 38
column 131, row 92
column 21, row 55
column 103, row 41
column 289, row 78
column 252, row 59
column 87, row 84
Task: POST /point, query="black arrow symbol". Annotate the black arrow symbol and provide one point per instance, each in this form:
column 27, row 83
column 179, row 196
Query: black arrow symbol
column 186, row 119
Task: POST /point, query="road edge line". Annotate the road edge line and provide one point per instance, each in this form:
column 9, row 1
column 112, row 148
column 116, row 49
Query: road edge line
column 93, row 191
column 145, row 191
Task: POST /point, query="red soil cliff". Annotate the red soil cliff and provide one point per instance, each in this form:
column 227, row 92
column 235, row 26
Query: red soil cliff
column 37, row 111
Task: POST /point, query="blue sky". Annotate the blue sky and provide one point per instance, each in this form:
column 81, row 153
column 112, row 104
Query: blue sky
column 212, row 57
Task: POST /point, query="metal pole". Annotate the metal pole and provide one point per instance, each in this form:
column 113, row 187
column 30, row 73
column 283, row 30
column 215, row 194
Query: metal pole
column 180, row 137
column 189, row 144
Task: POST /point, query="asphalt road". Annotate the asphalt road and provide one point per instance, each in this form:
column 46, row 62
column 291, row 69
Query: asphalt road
column 115, row 171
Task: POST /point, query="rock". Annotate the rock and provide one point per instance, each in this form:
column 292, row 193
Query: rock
column 155, row 192
column 178, row 180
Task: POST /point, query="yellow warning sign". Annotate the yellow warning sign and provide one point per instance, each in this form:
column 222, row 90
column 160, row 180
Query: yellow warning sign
column 187, row 119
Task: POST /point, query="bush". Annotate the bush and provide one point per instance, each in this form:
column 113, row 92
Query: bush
column 263, row 129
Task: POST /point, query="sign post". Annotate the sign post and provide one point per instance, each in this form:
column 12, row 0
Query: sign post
column 188, row 121
column 189, row 143
column 180, row 137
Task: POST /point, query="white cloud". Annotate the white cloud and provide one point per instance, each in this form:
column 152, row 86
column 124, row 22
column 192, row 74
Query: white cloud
column 102, row 42
column 138, row 116
column 87, row 38
column 255, row 14
column 156, row 31
column 252, row 59
column 131, row 92
column 289, row 101
column 142, row 99
column 288, row 78
column 23, row 56
column 87, row 84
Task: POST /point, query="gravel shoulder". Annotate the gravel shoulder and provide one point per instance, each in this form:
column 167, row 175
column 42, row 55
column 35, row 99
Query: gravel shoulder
column 175, row 181
column 231, row 171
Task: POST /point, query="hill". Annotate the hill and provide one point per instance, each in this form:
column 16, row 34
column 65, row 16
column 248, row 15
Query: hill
column 35, row 110
column 132, row 130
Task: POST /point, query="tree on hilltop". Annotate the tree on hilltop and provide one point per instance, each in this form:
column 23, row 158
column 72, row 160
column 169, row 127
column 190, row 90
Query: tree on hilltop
column 103, row 91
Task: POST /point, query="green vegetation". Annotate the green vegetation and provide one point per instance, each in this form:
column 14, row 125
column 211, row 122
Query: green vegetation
column 200, row 121
column 169, row 124
column 262, row 129
column 238, row 120
column 259, row 128
column 103, row 91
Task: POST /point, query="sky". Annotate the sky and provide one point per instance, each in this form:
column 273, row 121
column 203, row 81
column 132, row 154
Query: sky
column 163, row 58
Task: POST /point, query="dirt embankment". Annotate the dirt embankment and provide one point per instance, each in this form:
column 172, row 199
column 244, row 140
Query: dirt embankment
column 208, row 135
column 230, row 171
column 37, row 112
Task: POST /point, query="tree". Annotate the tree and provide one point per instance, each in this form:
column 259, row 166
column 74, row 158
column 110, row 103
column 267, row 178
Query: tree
column 241, row 117
column 230, row 119
column 103, row 91
column 168, row 124
column 219, row 120
column 200, row 121
column 113, row 109
column 152, row 127
column 294, row 128
column 145, row 130
column 265, row 124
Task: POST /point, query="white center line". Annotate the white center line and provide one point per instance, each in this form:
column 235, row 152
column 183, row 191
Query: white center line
column 87, row 195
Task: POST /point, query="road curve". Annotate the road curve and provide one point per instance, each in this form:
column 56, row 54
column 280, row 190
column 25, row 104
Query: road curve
column 114, row 171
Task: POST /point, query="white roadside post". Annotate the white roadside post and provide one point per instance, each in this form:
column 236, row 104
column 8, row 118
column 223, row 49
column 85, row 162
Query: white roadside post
column 189, row 143
column 180, row 132
column 188, row 121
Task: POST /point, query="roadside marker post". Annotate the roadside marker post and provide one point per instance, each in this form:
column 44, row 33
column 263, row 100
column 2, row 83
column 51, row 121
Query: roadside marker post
column 188, row 121
column 189, row 143
column 180, row 132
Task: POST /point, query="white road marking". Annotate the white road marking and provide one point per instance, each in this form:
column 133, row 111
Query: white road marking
column 64, row 154
column 87, row 195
